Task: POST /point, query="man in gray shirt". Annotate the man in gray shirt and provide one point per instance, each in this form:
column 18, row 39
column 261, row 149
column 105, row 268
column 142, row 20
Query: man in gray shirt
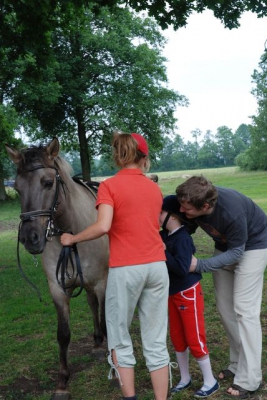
column 239, row 230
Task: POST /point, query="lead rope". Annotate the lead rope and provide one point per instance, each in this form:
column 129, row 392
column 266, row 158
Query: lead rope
column 23, row 273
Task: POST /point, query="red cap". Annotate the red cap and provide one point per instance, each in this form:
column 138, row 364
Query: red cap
column 142, row 144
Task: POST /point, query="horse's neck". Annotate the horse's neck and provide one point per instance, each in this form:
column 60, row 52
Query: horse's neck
column 80, row 208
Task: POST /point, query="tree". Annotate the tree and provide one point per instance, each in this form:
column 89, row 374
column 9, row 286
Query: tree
column 28, row 55
column 74, row 160
column 176, row 12
column 36, row 19
column 196, row 134
column 105, row 73
column 208, row 153
column 179, row 156
column 241, row 139
column 255, row 156
column 243, row 133
column 8, row 124
column 165, row 162
column 225, row 141
column 191, row 155
column 26, row 26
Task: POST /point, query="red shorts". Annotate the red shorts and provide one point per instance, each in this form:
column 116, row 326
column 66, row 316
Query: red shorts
column 187, row 324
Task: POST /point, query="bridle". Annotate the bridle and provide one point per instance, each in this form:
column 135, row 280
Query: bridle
column 31, row 215
column 65, row 258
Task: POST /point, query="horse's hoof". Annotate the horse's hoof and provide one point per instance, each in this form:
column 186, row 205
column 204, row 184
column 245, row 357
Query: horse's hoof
column 61, row 396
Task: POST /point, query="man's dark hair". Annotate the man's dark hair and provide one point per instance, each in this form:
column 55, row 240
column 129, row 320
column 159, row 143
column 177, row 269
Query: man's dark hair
column 197, row 191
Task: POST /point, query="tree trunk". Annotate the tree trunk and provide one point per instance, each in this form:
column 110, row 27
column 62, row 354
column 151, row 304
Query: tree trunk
column 84, row 151
column 3, row 195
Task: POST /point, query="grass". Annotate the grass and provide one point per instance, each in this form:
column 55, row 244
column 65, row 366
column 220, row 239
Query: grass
column 29, row 351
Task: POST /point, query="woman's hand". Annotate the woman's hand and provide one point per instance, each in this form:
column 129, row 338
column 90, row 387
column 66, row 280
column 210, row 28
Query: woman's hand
column 94, row 231
column 67, row 239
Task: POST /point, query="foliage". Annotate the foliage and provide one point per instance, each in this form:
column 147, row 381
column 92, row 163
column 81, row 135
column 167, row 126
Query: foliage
column 210, row 152
column 213, row 151
column 8, row 124
column 105, row 72
column 255, row 156
column 176, row 12
column 38, row 19
column 50, row 50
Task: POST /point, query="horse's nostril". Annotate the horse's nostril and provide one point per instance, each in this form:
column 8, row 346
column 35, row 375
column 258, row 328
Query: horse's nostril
column 34, row 238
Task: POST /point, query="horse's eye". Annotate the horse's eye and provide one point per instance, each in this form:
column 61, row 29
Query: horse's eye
column 48, row 184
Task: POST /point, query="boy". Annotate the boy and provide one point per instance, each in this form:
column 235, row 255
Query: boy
column 186, row 302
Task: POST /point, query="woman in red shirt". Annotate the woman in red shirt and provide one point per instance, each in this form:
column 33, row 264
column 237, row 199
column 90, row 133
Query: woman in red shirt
column 129, row 205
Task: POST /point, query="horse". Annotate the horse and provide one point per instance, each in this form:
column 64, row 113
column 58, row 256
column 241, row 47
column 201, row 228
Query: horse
column 53, row 203
column 153, row 178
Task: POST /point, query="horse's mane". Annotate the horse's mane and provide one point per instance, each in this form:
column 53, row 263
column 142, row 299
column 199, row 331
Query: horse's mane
column 36, row 155
column 64, row 165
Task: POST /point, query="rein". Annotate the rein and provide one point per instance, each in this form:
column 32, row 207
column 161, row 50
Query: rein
column 21, row 270
column 65, row 258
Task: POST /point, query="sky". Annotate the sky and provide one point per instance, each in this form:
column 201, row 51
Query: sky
column 212, row 66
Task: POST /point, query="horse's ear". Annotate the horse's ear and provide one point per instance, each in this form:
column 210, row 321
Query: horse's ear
column 14, row 154
column 52, row 149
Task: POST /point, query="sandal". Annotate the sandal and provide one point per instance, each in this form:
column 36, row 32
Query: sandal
column 226, row 374
column 243, row 393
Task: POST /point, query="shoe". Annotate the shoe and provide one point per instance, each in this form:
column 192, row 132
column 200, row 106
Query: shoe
column 181, row 386
column 201, row 394
column 243, row 393
column 226, row 374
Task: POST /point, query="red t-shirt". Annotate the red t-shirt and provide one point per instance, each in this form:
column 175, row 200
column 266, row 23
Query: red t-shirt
column 134, row 235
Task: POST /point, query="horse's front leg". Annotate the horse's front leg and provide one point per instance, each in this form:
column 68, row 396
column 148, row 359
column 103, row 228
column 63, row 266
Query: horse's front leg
column 61, row 302
column 96, row 301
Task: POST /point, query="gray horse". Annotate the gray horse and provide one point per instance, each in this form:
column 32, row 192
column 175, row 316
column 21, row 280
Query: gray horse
column 52, row 203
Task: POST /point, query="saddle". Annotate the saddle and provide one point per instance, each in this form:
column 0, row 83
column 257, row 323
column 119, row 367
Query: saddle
column 92, row 186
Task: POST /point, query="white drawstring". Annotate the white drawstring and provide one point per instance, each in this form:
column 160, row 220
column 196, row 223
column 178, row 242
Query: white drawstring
column 113, row 369
column 172, row 365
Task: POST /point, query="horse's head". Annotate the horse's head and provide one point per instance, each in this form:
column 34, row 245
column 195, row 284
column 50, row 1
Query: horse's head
column 37, row 183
